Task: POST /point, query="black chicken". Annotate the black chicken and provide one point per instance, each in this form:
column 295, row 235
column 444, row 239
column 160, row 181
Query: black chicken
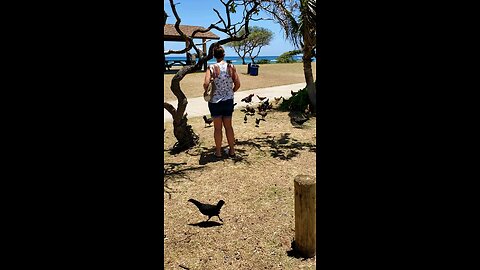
column 248, row 98
column 257, row 122
column 261, row 98
column 207, row 120
column 209, row 209
column 245, row 119
column 250, row 109
column 299, row 121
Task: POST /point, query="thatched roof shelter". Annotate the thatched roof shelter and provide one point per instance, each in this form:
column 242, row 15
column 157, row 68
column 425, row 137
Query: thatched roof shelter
column 171, row 34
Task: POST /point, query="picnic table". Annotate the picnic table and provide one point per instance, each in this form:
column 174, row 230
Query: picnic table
column 170, row 63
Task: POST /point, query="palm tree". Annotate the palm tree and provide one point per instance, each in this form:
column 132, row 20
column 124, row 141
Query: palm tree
column 298, row 20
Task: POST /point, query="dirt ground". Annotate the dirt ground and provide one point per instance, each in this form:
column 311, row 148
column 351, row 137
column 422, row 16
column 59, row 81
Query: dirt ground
column 257, row 187
column 268, row 75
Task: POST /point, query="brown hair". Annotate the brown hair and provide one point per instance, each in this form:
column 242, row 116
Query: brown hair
column 218, row 52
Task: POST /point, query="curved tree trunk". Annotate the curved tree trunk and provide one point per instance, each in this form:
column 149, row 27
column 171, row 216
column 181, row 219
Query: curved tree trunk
column 183, row 132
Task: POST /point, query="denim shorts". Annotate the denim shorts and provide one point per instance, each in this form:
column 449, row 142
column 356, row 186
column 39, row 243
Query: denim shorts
column 222, row 108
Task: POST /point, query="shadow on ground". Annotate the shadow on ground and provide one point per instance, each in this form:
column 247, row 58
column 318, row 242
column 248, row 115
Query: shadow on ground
column 293, row 252
column 206, row 224
column 175, row 171
column 283, row 148
column 207, row 155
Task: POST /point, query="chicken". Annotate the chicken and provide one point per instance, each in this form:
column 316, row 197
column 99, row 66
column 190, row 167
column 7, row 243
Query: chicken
column 250, row 109
column 207, row 120
column 209, row 209
column 299, row 121
column 261, row 98
column 257, row 122
column 248, row 99
column 263, row 114
column 264, row 106
column 245, row 119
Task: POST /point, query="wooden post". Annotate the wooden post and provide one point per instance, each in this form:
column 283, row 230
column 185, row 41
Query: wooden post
column 305, row 215
column 205, row 52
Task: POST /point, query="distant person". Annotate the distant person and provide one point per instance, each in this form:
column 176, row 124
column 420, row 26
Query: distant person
column 226, row 82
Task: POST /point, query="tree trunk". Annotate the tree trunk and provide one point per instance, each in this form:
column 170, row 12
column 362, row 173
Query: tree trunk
column 183, row 132
column 243, row 61
column 307, row 70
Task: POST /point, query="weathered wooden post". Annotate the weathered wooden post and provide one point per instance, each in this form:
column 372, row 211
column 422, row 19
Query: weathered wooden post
column 305, row 215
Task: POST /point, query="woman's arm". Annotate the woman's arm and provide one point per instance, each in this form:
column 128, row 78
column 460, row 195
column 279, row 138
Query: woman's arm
column 236, row 79
column 206, row 81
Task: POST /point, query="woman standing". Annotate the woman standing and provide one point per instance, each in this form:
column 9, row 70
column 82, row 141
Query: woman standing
column 221, row 104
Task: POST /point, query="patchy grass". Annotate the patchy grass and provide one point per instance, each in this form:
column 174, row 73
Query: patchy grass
column 257, row 187
column 268, row 75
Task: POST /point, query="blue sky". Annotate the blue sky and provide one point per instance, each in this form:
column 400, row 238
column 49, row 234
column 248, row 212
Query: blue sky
column 200, row 13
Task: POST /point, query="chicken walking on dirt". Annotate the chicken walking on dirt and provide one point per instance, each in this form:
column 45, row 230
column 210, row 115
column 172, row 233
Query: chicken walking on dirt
column 207, row 120
column 209, row 209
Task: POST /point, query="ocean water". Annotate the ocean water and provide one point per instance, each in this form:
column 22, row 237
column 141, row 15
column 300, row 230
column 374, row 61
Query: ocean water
column 237, row 60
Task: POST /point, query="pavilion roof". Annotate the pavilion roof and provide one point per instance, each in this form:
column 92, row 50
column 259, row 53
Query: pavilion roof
column 171, row 34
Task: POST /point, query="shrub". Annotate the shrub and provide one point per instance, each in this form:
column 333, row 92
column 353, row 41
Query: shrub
column 299, row 102
column 287, row 57
column 263, row 61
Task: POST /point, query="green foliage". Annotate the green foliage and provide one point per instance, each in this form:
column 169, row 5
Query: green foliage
column 299, row 102
column 263, row 61
column 287, row 57
column 257, row 38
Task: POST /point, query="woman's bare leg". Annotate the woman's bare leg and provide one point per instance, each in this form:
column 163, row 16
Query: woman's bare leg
column 217, row 135
column 227, row 123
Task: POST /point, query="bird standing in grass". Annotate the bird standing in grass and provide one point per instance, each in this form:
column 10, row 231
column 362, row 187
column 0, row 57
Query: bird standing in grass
column 248, row 98
column 207, row 120
column 209, row 209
